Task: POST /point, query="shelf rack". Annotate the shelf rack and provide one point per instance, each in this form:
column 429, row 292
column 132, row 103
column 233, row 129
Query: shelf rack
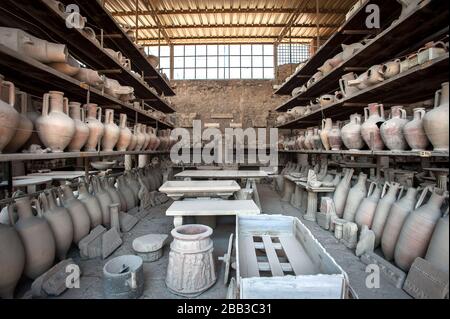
column 353, row 30
column 44, row 21
column 423, row 154
column 36, row 78
column 116, row 38
column 396, row 90
column 428, row 19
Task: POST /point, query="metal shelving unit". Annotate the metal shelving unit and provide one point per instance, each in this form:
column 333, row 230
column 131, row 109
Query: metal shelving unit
column 422, row 154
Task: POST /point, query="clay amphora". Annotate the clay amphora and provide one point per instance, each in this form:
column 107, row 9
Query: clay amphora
column 383, row 208
column 326, row 100
column 140, row 137
column 77, row 211
column 12, row 260
column 392, row 130
column 414, row 132
column 90, row 77
column 370, row 131
column 24, row 128
column 390, row 69
column 154, row 141
column 437, row 253
column 96, row 128
column 351, row 134
column 33, row 115
column 341, row 192
column 36, row 236
column 112, row 132
column 436, row 121
column 346, row 89
column 300, row 141
column 327, row 125
column 9, row 117
column 366, row 210
column 316, row 140
column 70, row 68
column 38, row 49
column 355, row 197
column 147, row 137
column 114, row 193
column 350, row 49
column 309, row 139
column 336, row 60
column 55, row 128
column 127, row 192
column 125, row 136
column 104, row 199
column 397, row 217
column 334, row 137
column 81, row 128
column 360, row 83
column 375, row 75
column 91, row 203
column 416, row 233
column 133, row 142
column 59, row 221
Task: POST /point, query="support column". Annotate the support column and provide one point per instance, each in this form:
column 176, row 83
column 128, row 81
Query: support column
column 143, row 161
column 312, row 207
column 289, row 188
column 172, row 61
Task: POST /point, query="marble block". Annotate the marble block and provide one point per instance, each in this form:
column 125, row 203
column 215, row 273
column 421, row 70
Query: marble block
column 395, row 275
column 150, row 247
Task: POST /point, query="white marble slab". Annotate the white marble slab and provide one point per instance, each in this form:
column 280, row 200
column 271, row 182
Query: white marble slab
column 179, row 189
column 225, row 174
column 208, row 207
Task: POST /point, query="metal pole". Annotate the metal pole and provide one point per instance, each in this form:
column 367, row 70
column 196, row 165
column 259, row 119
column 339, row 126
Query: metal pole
column 137, row 20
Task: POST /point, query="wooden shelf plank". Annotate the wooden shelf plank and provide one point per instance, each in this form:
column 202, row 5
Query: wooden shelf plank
column 372, row 153
column 406, row 87
column 36, row 78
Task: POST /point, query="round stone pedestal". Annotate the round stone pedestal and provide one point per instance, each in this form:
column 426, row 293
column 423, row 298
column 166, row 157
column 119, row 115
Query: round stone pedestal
column 191, row 265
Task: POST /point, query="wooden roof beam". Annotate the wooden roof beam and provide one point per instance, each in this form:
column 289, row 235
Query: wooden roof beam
column 158, row 23
column 294, row 17
column 227, row 37
column 213, row 26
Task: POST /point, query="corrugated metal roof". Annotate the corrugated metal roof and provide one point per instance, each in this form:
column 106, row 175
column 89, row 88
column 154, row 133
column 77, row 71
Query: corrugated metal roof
column 245, row 21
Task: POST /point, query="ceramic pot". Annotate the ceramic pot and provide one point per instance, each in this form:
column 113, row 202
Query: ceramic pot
column 81, row 135
column 55, row 128
column 437, row 253
column 70, row 68
column 59, row 221
column 346, row 89
column 355, row 196
column 301, row 141
column 334, row 137
column 133, row 184
column 316, row 140
column 350, row 49
column 154, row 140
column 414, row 132
column 370, row 131
column 366, row 210
column 133, row 142
column 351, row 134
column 92, row 205
column 390, row 69
column 392, row 130
column 361, row 83
column 104, row 199
column 436, row 121
column 90, row 77
column 147, row 137
column 12, row 260
column 38, row 49
column 341, row 193
column 96, row 128
column 416, row 233
column 127, row 192
column 9, row 117
column 326, row 68
column 77, row 211
column 375, row 75
column 384, row 207
column 337, row 60
column 431, row 51
column 140, row 137
column 309, row 139
column 314, row 79
column 24, row 127
column 125, row 135
column 394, row 223
column 112, row 132
column 191, row 269
column 326, row 100
column 108, row 186
column 33, row 115
column 327, row 125
column 36, row 237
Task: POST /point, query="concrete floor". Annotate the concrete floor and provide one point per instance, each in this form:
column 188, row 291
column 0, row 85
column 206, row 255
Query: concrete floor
column 157, row 222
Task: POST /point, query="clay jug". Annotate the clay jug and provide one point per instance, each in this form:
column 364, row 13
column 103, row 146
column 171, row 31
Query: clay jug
column 301, row 140
column 416, row 233
column 92, row 205
column 437, row 253
column 355, row 197
column 125, row 136
column 59, row 221
column 133, row 142
column 154, row 141
column 375, row 75
column 36, row 237
column 24, row 128
column 390, row 69
column 55, row 128
column 436, row 121
column 77, row 211
column 346, row 89
column 133, row 184
column 327, row 125
column 334, row 137
column 114, row 193
column 397, row 217
column 392, row 130
column 127, row 192
column 12, row 260
column 33, row 115
column 351, row 133
column 81, row 128
column 112, row 132
column 414, row 132
column 366, row 210
column 370, row 131
column 350, row 49
column 104, row 199
column 96, row 128
column 147, row 137
column 140, row 137
column 360, row 83
column 309, row 139
column 90, row 77
column 9, row 117
column 341, row 192
column 384, row 206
